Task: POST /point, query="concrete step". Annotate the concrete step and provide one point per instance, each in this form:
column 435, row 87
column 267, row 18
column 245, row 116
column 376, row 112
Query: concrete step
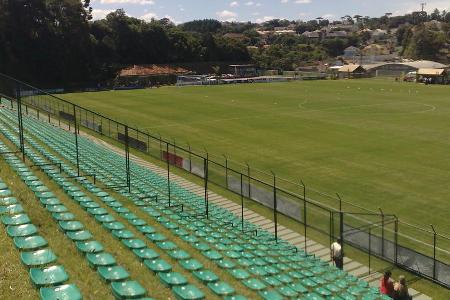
column 351, row 266
column 363, row 270
column 421, row 297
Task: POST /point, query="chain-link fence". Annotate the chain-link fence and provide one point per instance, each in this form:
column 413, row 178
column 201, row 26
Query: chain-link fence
column 419, row 250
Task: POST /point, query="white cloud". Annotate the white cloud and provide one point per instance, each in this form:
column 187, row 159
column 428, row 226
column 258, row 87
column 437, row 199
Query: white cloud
column 284, row 1
column 227, row 15
column 303, row 1
column 265, row 19
column 149, row 16
column 141, row 2
column 98, row 14
column 249, row 3
column 234, row 4
column 328, row 16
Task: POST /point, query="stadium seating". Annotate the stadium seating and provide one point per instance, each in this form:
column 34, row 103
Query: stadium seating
column 44, row 272
column 273, row 270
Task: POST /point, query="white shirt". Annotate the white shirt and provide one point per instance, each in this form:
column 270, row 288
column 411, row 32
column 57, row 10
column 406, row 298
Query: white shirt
column 336, row 250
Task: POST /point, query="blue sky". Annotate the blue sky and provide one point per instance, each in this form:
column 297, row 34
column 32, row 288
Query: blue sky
column 259, row 10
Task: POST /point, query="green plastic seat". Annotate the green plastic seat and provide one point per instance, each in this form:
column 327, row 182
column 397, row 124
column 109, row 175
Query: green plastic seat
column 146, row 253
column 122, row 234
column 38, row 257
column 158, row 265
column 114, row 226
column 212, row 255
column 128, row 290
column 272, row 281
column 27, row 243
column 137, row 222
column 347, row 296
column 81, row 235
column 65, row 216
column 59, row 208
column 19, row 219
column 254, row 284
column 97, row 211
column 105, row 218
column 103, row 259
column 12, row 209
column 87, row 205
column 179, row 254
column 188, row 292
column 225, row 264
column 156, row 237
column 167, row 245
column 287, row 291
column 49, row 276
column 49, row 201
column 191, row 264
column 114, row 273
column 313, row 296
column 239, row 274
column 206, row 276
column 146, row 229
column 70, row 225
column 45, row 195
column 171, row 279
column 8, row 201
column 61, row 292
column 89, row 247
column 5, row 193
column 3, row 186
column 270, row 295
column 298, row 287
column 21, row 230
column 134, row 243
column 235, row 297
column 221, row 288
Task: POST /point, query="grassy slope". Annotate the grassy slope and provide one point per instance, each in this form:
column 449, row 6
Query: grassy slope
column 372, row 141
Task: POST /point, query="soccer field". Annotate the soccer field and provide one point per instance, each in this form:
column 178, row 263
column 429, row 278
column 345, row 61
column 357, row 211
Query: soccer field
column 377, row 143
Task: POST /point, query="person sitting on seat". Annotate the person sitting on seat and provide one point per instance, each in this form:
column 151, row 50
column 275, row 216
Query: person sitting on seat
column 401, row 289
column 387, row 284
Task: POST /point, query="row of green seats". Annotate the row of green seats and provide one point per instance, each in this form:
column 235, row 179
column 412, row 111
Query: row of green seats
column 50, row 277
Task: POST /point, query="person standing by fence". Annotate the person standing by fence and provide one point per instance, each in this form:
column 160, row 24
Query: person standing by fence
column 337, row 255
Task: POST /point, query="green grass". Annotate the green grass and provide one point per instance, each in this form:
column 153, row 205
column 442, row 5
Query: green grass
column 377, row 143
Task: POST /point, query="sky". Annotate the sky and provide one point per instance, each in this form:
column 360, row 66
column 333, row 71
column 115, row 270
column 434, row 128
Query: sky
column 180, row 11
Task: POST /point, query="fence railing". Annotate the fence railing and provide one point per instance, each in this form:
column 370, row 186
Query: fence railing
column 419, row 250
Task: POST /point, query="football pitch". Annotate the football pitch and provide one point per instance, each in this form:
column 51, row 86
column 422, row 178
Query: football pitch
column 378, row 143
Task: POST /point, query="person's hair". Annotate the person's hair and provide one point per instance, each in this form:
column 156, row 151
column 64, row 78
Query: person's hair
column 402, row 280
column 339, row 240
column 387, row 273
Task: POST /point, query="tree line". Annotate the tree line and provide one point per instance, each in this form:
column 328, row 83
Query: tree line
column 56, row 43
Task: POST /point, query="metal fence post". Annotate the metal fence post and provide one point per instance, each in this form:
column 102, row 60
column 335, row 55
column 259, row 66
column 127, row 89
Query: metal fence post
column 341, row 231
column 304, row 212
column 434, row 251
column 226, row 170
column 382, row 231
column 249, row 185
column 190, row 158
column 127, row 158
column 242, row 203
column 370, row 246
column 396, row 240
column 168, row 169
column 205, row 175
column 275, row 213
column 20, row 120
column 76, row 139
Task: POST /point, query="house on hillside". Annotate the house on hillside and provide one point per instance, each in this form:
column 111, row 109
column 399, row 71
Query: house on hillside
column 336, row 34
column 375, row 50
column 351, row 52
column 314, row 35
column 352, row 71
